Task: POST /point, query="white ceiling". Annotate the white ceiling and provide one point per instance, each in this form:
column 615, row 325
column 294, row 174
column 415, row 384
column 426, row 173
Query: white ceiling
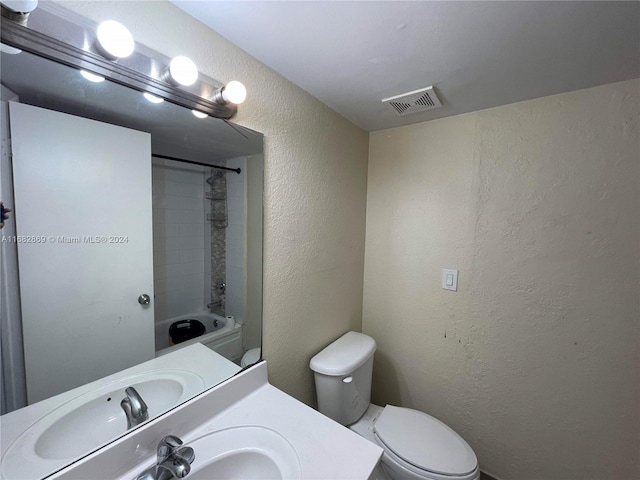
column 351, row 55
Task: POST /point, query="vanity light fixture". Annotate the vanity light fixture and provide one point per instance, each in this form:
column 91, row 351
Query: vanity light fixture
column 98, row 47
column 181, row 71
column 232, row 92
column 198, row 114
column 92, row 77
column 152, row 98
column 114, row 40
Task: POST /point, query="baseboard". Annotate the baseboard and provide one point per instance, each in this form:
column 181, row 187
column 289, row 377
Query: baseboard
column 486, row 476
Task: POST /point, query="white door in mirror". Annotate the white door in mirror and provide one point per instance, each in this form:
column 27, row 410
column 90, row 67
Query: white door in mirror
column 84, row 247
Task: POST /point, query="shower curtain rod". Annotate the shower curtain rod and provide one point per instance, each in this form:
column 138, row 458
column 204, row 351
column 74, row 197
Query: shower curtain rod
column 192, row 162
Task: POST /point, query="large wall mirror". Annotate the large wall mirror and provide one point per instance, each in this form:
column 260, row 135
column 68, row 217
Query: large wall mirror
column 136, row 233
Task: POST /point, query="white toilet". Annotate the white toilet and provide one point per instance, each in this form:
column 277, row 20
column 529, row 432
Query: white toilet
column 250, row 357
column 416, row 445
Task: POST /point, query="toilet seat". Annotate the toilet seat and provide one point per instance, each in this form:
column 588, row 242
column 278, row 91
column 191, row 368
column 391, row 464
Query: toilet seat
column 424, row 445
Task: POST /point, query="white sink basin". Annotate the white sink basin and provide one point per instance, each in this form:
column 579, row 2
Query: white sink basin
column 90, row 420
column 244, row 452
column 87, row 421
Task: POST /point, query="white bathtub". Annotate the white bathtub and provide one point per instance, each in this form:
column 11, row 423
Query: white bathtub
column 223, row 339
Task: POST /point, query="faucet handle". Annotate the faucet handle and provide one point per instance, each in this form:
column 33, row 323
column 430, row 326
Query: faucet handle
column 173, row 467
column 173, row 461
column 167, row 447
column 178, row 463
column 187, row 453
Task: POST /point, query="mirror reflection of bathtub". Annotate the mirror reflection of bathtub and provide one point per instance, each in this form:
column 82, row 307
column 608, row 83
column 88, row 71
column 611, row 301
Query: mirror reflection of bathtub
column 187, row 244
column 222, row 335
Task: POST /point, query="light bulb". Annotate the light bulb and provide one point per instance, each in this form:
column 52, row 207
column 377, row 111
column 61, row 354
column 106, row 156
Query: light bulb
column 92, row 77
column 183, row 71
column 115, row 40
column 152, row 98
column 235, row 92
column 232, row 92
column 198, row 114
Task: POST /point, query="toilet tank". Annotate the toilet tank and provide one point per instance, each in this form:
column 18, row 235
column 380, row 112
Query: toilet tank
column 342, row 374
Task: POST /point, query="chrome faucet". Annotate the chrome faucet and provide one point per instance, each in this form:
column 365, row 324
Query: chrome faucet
column 174, row 460
column 134, row 408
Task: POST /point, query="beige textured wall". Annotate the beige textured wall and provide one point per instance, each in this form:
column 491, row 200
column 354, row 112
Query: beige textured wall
column 315, row 189
column 535, row 359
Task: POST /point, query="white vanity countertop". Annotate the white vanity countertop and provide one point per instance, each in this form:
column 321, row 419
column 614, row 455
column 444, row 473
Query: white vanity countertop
column 326, row 450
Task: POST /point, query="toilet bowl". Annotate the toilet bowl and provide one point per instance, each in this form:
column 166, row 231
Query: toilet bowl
column 416, row 446
column 250, row 357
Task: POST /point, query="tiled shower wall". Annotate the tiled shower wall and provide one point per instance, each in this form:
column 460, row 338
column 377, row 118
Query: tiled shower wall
column 180, row 232
column 235, row 238
column 217, row 190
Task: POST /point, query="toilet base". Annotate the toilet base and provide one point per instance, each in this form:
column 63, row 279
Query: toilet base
column 364, row 425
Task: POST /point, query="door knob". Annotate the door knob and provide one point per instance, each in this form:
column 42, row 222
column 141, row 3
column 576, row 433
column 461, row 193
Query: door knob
column 144, row 299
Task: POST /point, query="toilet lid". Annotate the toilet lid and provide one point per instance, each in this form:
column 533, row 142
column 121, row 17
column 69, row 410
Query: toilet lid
column 424, row 441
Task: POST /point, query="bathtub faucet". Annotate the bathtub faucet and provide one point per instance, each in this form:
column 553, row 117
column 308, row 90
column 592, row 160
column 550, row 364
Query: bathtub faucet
column 134, row 408
column 221, row 286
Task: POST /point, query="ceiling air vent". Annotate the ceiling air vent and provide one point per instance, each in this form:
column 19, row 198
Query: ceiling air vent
column 414, row 102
